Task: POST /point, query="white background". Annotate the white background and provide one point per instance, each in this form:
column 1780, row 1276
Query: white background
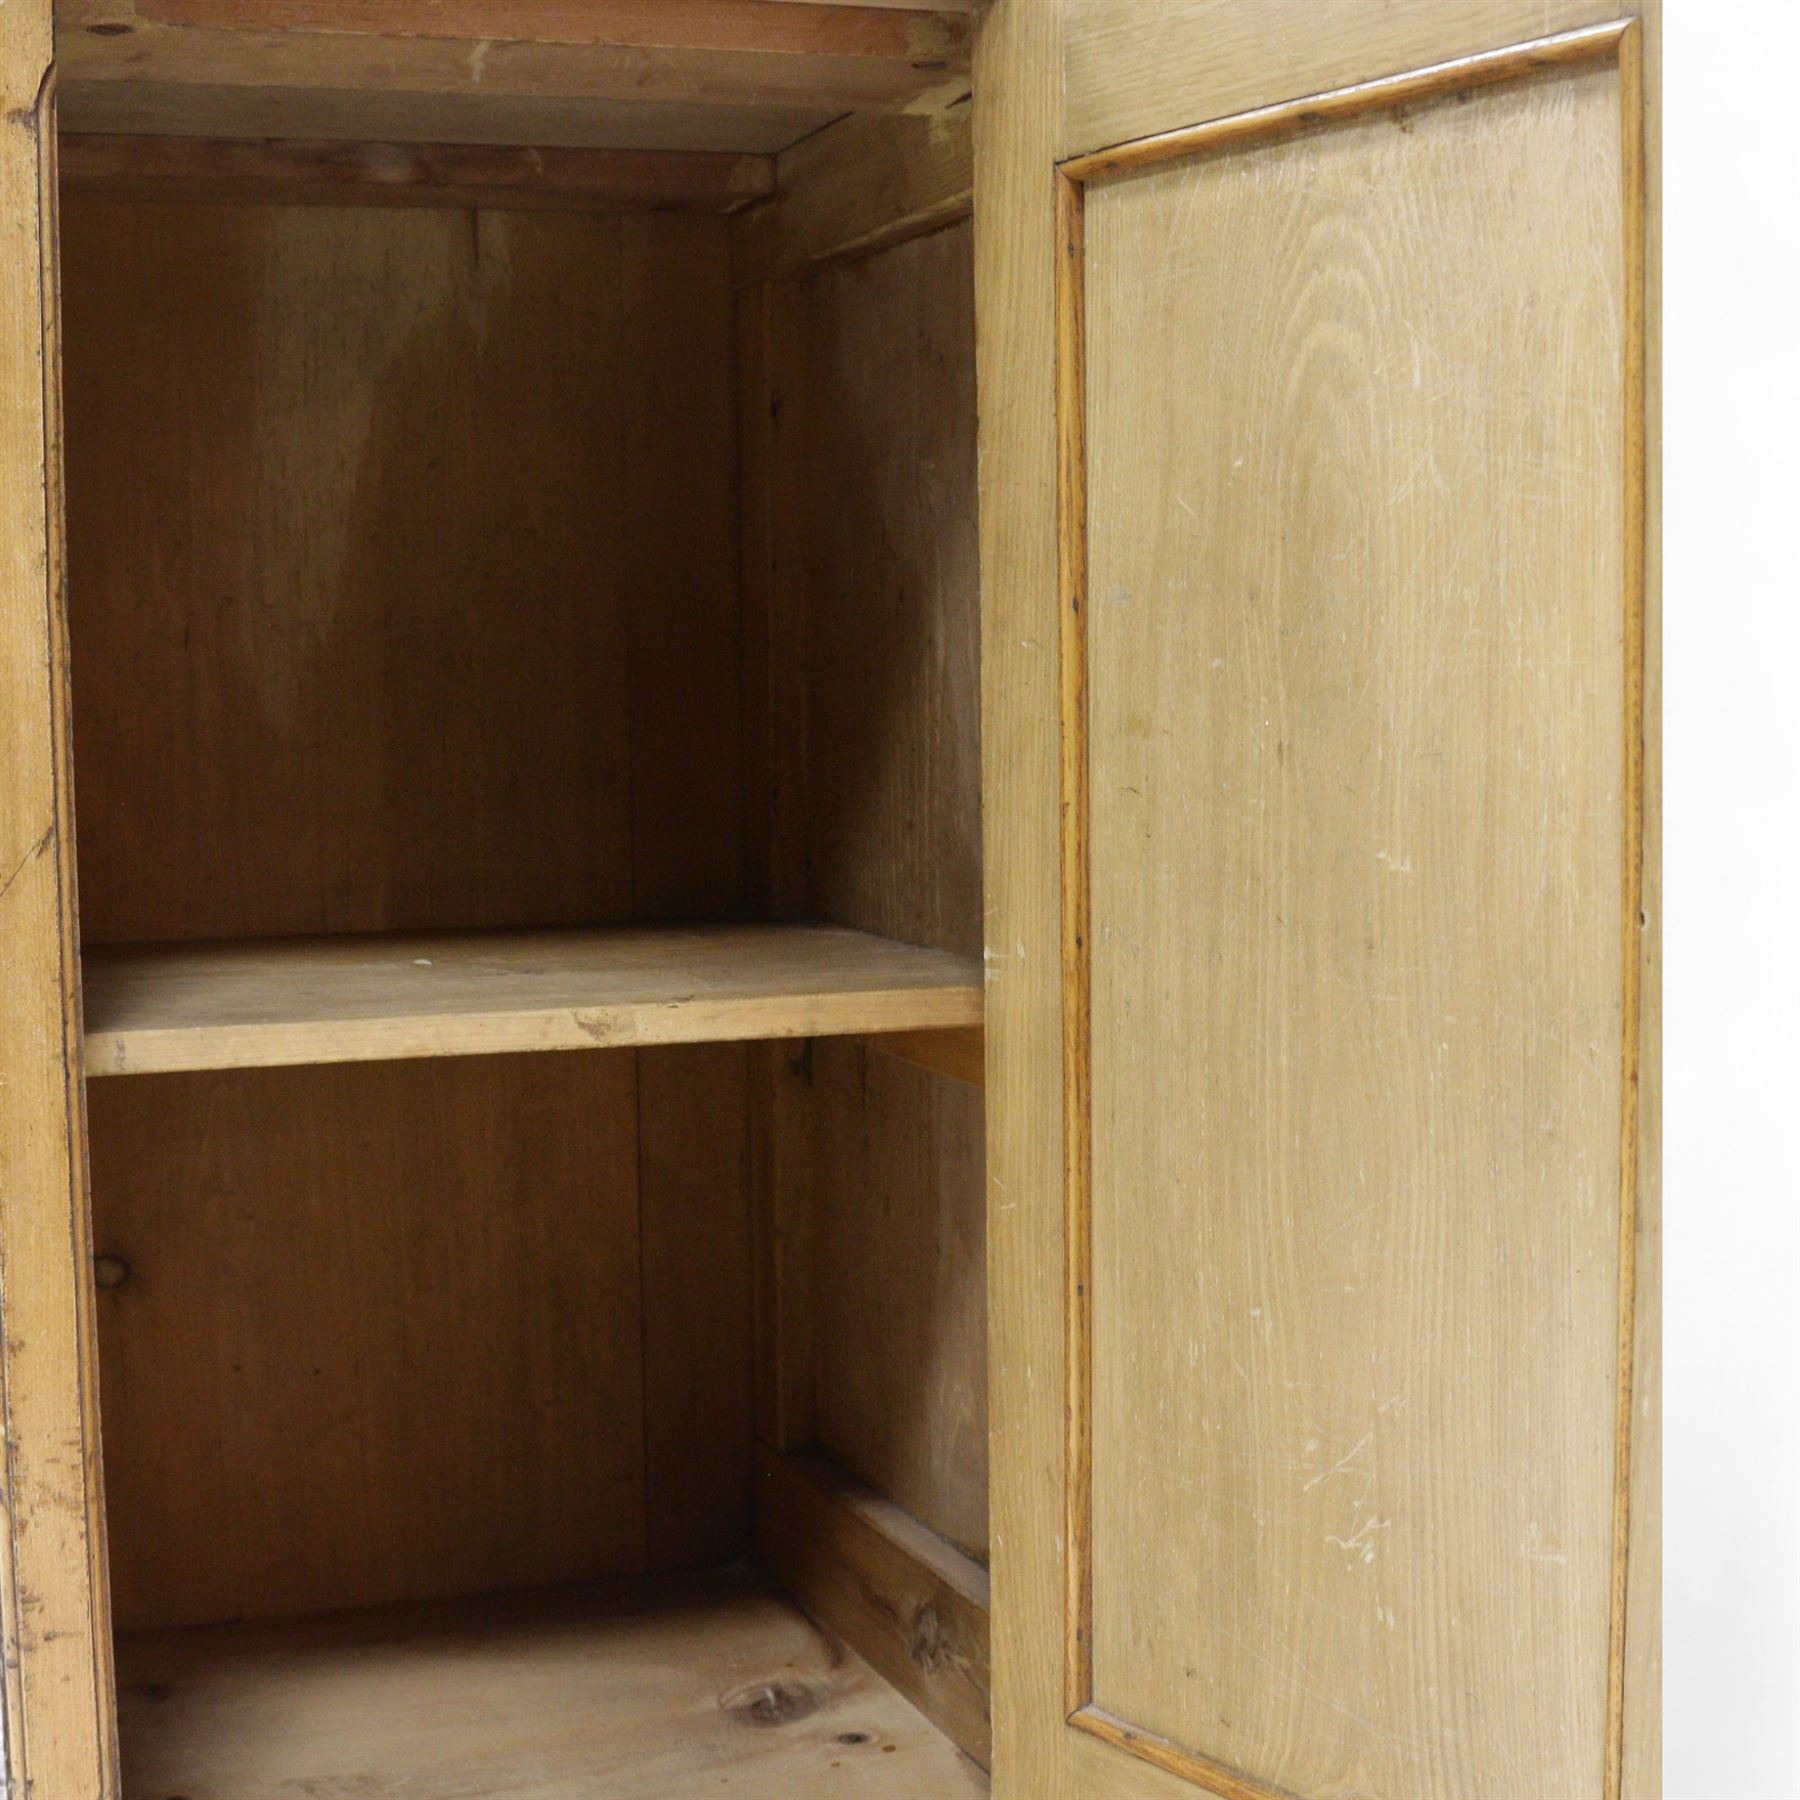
column 1731, row 1471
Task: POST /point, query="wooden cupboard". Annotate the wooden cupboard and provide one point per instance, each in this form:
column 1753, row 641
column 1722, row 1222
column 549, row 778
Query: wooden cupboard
column 859, row 993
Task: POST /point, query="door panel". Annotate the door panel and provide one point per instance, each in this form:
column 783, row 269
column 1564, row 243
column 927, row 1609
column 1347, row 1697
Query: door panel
column 1313, row 1472
column 1355, row 833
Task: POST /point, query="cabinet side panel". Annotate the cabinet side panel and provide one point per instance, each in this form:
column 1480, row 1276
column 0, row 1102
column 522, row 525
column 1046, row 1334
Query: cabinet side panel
column 883, row 459
column 1361, row 660
column 57, row 1732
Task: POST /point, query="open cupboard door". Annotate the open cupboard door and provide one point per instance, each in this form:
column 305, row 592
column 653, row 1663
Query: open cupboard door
column 1318, row 420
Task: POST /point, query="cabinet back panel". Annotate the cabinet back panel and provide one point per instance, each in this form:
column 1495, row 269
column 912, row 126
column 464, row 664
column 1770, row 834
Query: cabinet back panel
column 885, row 463
column 381, row 1335
column 404, row 594
column 402, row 568
column 410, row 1329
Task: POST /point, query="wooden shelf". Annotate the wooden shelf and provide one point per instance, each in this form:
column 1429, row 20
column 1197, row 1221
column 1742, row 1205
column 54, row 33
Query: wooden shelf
column 709, row 1686
column 154, row 1008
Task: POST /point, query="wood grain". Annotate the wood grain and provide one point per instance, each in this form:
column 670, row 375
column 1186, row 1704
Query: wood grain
column 1641, row 1708
column 381, row 1336
column 883, row 544
column 773, row 396
column 767, row 26
column 400, row 579
column 359, row 115
column 55, row 1729
column 728, row 53
column 899, row 1596
column 959, row 1054
column 357, row 556
column 1018, row 74
column 637, row 1696
column 158, row 1008
column 329, row 172
column 900, row 1313
column 1407, row 780
column 1129, row 74
column 892, row 594
column 693, row 1182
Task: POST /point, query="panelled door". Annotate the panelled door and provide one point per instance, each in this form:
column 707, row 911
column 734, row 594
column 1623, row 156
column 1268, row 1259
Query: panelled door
column 1318, row 429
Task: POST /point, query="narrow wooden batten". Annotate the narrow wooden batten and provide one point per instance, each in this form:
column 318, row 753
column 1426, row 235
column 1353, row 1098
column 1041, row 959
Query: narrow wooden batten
column 329, row 172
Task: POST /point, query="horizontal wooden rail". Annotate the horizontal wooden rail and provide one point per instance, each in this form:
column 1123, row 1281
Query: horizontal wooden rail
column 330, row 172
column 903, row 1599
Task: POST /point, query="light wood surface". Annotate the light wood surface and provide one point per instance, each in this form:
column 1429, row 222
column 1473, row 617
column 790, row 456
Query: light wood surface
column 710, row 1687
column 815, row 59
column 1129, row 72
column 913, row 1606
column 1640, row 1724
column 868, row 181
column 1018, row 74
column 1331, row 1695
column 154, row 1008
column 55, row 1730
column 1355, row 914
column 330, row 172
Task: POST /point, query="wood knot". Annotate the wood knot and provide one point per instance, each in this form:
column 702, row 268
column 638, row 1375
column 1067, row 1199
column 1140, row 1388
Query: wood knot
column 773, row 1703
column 929, row 1645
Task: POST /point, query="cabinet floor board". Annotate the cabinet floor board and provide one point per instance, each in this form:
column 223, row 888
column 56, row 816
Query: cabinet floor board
column 706, row 1685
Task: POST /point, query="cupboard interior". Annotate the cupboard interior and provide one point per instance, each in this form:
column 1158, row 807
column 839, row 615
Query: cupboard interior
column 526, row 759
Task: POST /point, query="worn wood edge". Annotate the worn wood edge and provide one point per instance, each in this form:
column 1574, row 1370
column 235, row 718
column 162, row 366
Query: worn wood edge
column 328, row 172
column 1160, row 1752
column 149, row 1050
column 1019, row 75
column 1641, row 1750
column 1072, row 563
column 884, row 30
column 1590, row 43
column 57, row 1733
column 1632, row 923
column 960, row 1054
column 920, row 64
column 911, row 1605
column 74, row 1075
column 858, row 187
